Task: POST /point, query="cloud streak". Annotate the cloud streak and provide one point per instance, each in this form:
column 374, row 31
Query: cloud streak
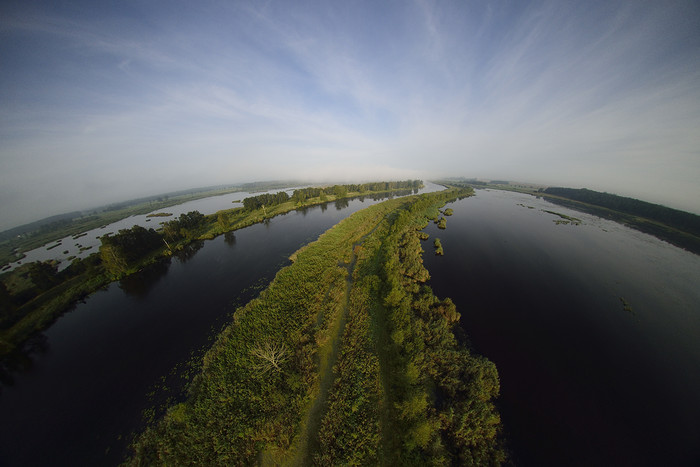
column 140, row 99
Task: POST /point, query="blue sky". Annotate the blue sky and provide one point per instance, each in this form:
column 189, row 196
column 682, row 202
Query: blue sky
column 106, row 101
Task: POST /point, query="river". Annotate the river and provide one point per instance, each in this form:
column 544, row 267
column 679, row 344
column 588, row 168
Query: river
column 64, row 250
column 594, row 328
column 79, row 394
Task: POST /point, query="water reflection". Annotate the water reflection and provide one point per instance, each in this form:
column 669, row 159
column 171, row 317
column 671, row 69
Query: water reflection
column 188, row 252
column 230, row 238
column 86, row 390
column 584, row 380
column 20, row 360
column 341, row 204
column 140, row 284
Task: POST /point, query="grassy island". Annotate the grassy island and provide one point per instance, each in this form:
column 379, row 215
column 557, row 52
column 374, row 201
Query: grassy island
column 347, row 358
column 438, row 247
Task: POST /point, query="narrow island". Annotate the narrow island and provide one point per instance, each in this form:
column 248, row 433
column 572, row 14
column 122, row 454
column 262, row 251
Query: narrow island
column 347, row 358
column 438, row 247
column 563, row 218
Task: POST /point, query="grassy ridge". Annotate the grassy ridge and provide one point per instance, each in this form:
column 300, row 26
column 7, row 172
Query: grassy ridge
column 404, row 392
column 234, row 410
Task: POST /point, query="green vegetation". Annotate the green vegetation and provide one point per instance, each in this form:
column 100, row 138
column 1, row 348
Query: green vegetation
column 438, row 247
column 346, row 358
column 441, row 223
column 14, row 242
column 448, row 212
column 671, row 217
column 160, row 214
column 566, row 219
column 124, row 253
column 677, row 227
column 35, row 294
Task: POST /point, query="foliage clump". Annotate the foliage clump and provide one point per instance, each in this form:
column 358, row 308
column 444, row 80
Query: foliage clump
column 438, row 247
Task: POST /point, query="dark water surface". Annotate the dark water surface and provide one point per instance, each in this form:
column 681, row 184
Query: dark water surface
column 85, row 386
column 583, row 380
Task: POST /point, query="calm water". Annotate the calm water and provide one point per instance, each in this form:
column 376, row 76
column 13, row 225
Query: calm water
column 583, row 381
column 81, row 247
column 85, row 385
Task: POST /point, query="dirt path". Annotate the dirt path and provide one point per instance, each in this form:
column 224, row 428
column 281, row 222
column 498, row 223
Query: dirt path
column 307, row 444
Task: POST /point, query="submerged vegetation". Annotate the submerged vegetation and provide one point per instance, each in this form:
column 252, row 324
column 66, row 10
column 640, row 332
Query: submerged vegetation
column 346, row 358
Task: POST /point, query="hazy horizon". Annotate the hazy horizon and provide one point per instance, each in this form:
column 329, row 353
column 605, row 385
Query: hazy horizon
column 101, row 103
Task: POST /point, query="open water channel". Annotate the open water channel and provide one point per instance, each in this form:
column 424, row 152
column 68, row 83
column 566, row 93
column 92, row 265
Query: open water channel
column 586, row 379
column 594, row 328
column 80, row 392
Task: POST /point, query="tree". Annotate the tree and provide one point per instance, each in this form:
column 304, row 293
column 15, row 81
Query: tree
column 43, row 274
column 121, row 251
column 271, row 356
column 340, row 191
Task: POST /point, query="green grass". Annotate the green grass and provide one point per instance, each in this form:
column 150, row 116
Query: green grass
column 234, row 411
column 387, row 340
column 438, row 247
column 42, row 310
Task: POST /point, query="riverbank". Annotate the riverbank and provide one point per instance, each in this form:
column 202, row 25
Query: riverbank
column 639, row 217
column 12, row 249
column 39, row 312
column 403, row 390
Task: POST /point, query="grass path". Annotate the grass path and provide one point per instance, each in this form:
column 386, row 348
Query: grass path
column 307, row 444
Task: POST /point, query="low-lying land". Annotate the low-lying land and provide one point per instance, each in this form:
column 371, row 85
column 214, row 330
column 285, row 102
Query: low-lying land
column 347, row 358
column 15, row 241
column 679, row 228
column 676, row 227
column 563, row 218
column 34, row 295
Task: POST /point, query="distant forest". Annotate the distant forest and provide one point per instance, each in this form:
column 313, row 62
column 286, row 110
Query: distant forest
column 680, row 220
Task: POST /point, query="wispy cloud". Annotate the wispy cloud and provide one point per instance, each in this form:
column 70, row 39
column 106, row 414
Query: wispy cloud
column 601, row 94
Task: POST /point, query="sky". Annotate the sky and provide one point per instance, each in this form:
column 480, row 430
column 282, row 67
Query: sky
column 112, row 100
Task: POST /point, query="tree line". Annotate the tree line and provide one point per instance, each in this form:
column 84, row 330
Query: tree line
column 675, row 218
column 300, row 195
